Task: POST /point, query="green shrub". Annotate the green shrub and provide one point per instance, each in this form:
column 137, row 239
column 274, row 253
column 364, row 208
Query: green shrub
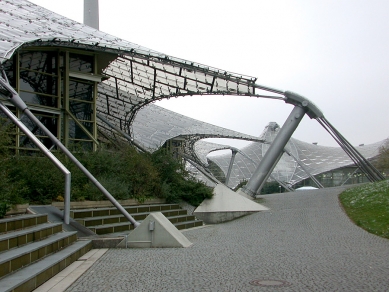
column 271, row 188
column 177, row 184
column 194, row 192
column 12, row 191
column 43, row 180
column 143, row 178
column 4, row 208
column 124, row 172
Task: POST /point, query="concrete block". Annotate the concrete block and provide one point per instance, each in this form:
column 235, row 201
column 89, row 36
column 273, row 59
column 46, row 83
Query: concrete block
column 226, row 205
column 18, row 209
column 164, row 234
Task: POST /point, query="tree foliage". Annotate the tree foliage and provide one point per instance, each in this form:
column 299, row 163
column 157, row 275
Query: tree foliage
column 382, row 162
column 271, row 188
column 176, row 183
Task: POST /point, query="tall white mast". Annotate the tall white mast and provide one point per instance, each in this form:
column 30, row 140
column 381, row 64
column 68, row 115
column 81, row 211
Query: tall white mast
column 91, row 13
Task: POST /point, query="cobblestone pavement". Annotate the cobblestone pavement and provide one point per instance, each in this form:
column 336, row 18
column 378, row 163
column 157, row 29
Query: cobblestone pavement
column 304, row 243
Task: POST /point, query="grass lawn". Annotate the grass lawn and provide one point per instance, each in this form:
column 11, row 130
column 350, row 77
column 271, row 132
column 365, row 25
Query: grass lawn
column 368, row 207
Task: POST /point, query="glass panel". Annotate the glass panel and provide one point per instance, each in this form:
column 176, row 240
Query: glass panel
column 36, row 82
column 9, row 69
column 49, row 121
column 81, row 63
column 76, row 132
column 39, row 61
column 33, row 82
column 80, row 90
column 33, row 98
column 81, row 110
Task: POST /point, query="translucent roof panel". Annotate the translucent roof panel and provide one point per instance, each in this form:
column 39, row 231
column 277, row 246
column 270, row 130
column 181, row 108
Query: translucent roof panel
column 155, row 125
column 202, row 149
column 141, row 75
column 315, row 159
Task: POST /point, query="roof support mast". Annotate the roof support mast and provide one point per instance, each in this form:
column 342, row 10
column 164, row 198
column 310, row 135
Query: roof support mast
column 274, row 153
column 234, row 152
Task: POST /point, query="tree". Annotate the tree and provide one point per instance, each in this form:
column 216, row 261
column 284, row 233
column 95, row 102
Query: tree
column 382, row 162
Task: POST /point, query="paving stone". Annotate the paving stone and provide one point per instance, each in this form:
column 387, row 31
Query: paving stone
column 305, row 241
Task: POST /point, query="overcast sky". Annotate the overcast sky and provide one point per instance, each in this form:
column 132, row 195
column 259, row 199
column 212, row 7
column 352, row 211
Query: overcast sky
column 334, row 52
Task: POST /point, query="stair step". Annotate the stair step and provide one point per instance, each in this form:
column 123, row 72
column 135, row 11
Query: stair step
column 34, row 275
column 126, row 226
column 188, row 224
column 181, row 218
column 100, row 220
column 14, row 259
column 21, row 237
column 112, row 228
column 22, row 221
column 81, row 213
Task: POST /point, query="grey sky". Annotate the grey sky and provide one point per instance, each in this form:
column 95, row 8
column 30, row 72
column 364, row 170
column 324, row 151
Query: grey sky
column 334, row 52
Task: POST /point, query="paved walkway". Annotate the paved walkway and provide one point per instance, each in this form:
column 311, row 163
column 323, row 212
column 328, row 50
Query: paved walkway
column 304, row 243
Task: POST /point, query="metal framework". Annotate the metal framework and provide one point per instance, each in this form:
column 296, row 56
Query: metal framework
column 123, row 78
column 301, row 161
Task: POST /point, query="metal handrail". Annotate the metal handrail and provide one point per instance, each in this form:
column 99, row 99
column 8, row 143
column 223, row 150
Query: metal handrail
column 47, row 153
column 16, row 100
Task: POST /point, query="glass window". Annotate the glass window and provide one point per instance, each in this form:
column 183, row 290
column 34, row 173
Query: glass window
column 50, row 121
column 81, row 63
column 38, row 80
column 76, row 131
column 82, row 111
column 38, row 61
column 9, row 68
column 80, row 90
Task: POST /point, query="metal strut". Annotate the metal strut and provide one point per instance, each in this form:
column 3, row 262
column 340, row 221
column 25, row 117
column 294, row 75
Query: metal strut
column 234, row 152
column 274, row 153
column 286, row 187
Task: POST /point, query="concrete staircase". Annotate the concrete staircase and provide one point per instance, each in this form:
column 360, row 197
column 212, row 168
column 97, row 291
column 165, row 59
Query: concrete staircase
column 32, row 250
column 110, row 220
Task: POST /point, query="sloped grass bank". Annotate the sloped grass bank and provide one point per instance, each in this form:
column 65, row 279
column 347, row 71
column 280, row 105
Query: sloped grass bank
column 368, row 207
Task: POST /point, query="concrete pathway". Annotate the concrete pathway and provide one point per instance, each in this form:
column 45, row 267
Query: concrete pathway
column 304, row 243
